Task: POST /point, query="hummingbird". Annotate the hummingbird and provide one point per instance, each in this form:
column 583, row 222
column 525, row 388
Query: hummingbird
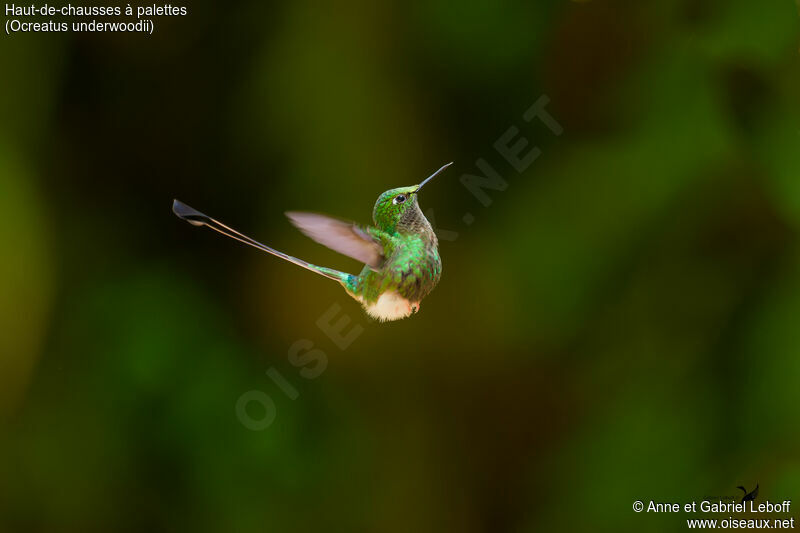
column 400, row 251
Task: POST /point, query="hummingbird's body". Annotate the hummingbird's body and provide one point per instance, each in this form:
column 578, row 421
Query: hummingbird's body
column 401, row 256
column 411, row 270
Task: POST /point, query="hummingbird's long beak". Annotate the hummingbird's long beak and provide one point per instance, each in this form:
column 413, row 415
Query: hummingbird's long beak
column 429, row 178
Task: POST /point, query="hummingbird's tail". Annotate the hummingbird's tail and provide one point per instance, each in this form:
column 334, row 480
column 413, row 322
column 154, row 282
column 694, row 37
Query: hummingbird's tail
column 196, row 218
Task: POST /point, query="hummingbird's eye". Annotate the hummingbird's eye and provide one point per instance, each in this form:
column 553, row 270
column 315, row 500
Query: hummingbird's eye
column 399, row 199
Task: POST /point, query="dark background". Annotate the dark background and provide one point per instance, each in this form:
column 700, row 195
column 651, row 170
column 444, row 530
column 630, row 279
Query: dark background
column 620, row 324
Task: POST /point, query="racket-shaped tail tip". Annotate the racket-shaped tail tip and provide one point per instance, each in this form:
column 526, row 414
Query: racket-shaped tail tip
column 190, row 215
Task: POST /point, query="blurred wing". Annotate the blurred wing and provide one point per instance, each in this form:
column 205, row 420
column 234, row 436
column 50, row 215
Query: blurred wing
column 343, row 237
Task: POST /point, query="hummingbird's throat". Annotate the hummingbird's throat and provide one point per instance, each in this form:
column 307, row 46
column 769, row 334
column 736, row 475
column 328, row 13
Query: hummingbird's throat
column 414, row 221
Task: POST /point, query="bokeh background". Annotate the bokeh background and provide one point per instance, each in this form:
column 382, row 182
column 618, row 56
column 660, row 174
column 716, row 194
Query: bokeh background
column 621, row 323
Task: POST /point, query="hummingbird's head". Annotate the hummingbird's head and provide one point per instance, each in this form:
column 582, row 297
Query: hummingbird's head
column 395, row 205
column 398, row 209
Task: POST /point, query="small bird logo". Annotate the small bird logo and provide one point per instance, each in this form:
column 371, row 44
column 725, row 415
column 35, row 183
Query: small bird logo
column 748, row 496
column 400, row 252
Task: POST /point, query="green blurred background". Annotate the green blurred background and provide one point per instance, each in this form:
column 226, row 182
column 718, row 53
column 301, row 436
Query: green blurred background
column 621, row 323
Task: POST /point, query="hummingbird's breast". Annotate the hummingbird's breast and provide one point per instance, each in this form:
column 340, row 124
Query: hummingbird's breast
column 410, row 272
column 414, row 267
